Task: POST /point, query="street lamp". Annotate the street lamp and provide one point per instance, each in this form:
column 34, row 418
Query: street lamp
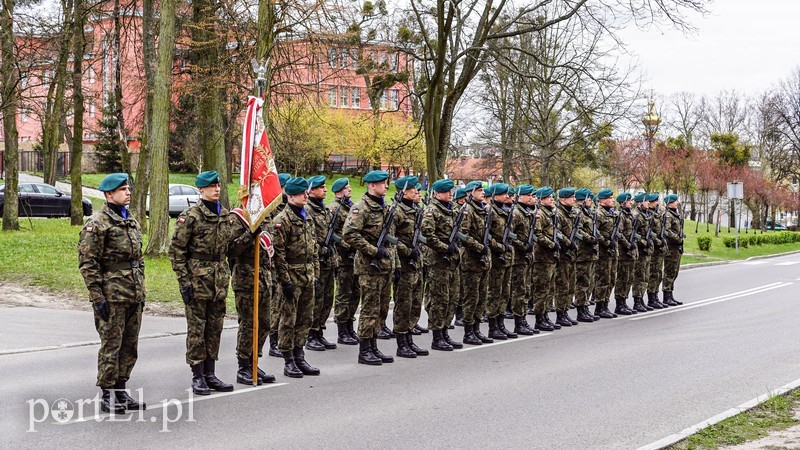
column 651, row 121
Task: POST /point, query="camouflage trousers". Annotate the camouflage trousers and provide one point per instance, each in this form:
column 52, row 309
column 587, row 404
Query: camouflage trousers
column 348, row 294
column 375, row 289
column 426, row 287
column 656, row 273
column 119, row 342
column 323, row 299
column 565, row 285
column 416, row 301
column 296, row 314
column 441, row 287
column 606, row 275
column 499, row 289
column 641, row 275
column 404, row 293
column 456, row 295
column 242, row 283
column 584, row 282
column 475, row 288
column 204, row 318
column 622, row 284
column 275, row 309
column 520, row 288
column 543, row 285
column 672, row 265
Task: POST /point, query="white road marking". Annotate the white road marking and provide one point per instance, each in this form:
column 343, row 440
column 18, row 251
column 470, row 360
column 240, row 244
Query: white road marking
column 496, row 343
column 713, row 300
column 754, row 263
column 788, row 263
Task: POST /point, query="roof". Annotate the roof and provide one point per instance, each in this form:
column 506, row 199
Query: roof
column 465, row 168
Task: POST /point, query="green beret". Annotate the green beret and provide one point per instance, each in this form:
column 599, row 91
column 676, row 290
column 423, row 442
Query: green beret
column 296, row 186
column 544, row 192
column 605, row 193
column 670, row 198
column 525, row 189
column 652, row 198
column 497, row 189
column 460, row 192
column 512, row 191
column 206, row 178
column 566, row 192
column 640, row 197
column 376, row 176
column 283, row 178
column 340, row 184
column 623, row 197
column 316, row 181
column 443, row 185
column 419, row 186
column 474, row 185
column 406, row 182
column 582, row 194
column 113, row 181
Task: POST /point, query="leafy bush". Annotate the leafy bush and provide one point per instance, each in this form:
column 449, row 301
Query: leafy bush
column 729, row 241
column 704, row 243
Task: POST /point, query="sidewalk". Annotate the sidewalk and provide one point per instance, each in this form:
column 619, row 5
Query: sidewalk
column 87, row 192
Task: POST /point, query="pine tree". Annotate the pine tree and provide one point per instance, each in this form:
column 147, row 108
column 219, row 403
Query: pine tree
column 107, row 148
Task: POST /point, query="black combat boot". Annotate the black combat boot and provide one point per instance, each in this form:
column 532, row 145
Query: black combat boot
column 542, row 324
column 571, row 320
column 415, row 330
column 528, row 326
column 649, row 308
column 459, row 316
column 414, row 347
column 421, row 329
column 313, row 343
column 601, row 309
column 520, row 327
column 672, row 300
column 344, row 335
column 476, row 328
column 584, row 315
column 302, row 364
column 449, row 340
column 376, row 351
column 469, row 336
column 551, row 323
column 273, row 345
column 290, row 368
column 325, row 343
column 264, row 377
column 124, row 399
column 211, row 378
column 605, row 308
column 365, row 355
column 638, row 304
column 403, row 350
column 439, row 343
column 385, row 332
column 245, row 373
column 622, row 308
column 501, row 325
column 652, row 301
column 352, row 331
column 591, row 300
column 109, row 403
column 199, row 385
column 660, row 303
column 562, row 320
column 495, row 332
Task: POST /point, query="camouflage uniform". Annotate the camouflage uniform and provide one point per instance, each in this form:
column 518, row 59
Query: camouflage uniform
column 405, row 290
column 673, row 251
column 607, row 254
column 295, row 261
column 475, row 266
column 437, row 225
column 111, row 262
column 361, row 231
column 657, row 257
column 587, row 257
column 521, row 269
column 642, row 267
column 199, row 246
column 627, row 256
column 348, row 294
column 328, row 262
column 545, row 261
column 565, row 274
column 500, row 278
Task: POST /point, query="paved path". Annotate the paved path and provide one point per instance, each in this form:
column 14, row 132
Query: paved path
column 66, row 187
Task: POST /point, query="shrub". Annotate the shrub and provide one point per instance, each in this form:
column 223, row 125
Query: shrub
column 728, row 241
column 704, row 243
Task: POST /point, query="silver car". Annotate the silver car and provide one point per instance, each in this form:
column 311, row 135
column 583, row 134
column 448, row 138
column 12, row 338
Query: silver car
column 181, row 196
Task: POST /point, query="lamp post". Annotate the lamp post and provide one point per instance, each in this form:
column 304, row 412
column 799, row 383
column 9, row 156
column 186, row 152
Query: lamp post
column 651, row 122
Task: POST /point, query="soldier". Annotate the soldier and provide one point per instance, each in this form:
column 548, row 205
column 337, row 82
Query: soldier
column 419, row 292
column 523, row 257
column 111, row 263
column 645, row 247
column 201, row 241
column 657, row 257
column 374, row 265
column 587, row 254
column 627, row 254
column 242, row 257
column 502, row 259
column 565, row 273
column 673, row 249
column 546, row 257
column 534, row 209
column 606, row 270
column 457, row 309
column 406, row 284
column 275, row 311
column 437, row 224
column 348, row 293
column 297, row 270
column 322, row 218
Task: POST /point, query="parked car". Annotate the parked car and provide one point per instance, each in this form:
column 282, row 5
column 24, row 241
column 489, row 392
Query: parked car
column 181, row 197
column 43, row 200
column 775, row 226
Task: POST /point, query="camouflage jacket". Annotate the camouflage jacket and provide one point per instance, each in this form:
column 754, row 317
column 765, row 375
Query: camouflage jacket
column 496, row 228
column 242, row 257
column 587, row 246
column 673, row 234
column 520, row 225
column 545, row 245
column 201, row 242
column 473, row 228
column 605, row 226
column 405, row 217
column 658, row 244
column 345, row 253
column 625, row 229
column 110, row 257
column 644, row 221
column 321, row 218
column 566, row 219
column 361, row 231
column 296, row 250
column 437, row 224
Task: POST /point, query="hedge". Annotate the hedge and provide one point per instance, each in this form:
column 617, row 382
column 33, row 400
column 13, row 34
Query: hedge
column 781, row 237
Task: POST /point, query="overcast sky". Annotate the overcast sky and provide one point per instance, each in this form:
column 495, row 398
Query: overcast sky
column 741, row 44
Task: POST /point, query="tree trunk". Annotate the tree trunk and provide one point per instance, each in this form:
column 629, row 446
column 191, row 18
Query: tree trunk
column 76, row 155
column 162, row 102
column 10, row 92
column 143, row 169
column 52, row 131
column 124, row 154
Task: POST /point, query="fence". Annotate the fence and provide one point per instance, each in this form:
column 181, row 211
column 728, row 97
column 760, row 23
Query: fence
column 33, row 161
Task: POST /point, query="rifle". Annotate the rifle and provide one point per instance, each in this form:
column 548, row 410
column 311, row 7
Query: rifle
column 417, row 237
column 557, row 249
column 387, row 223
column 664, row 230
column 330, row 236
column 682, row 235
column 596, row 245
column 632, row 238
column 507, row 231
column 648, row 239
column 614, row 234
column 487, row 236
column 531, row 235
column 574, row 235
column 454, row 233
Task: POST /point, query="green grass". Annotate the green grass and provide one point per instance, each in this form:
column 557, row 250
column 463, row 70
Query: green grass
column 777, row 413
column 719, row 252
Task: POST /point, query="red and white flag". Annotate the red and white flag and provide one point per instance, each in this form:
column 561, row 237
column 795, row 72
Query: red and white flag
column 260, row 188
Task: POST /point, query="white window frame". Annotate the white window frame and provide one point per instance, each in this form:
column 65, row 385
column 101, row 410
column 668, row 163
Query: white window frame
column 355, row 97
column 333, row 93
column 344, row 96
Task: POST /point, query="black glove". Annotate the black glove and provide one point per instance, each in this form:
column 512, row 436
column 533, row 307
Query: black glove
column 557, row 246
column 288, row 289
column 101, row 308
column 485, row 250
column 414, row 254
column 187, row 292
column 452, row 248
column 381, row 253
column 323, row 251
column 397, row 274
column 257, row 231
column 529, row 248
column 506, row 248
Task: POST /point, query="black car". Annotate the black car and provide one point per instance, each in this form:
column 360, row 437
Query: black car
column 43, row 200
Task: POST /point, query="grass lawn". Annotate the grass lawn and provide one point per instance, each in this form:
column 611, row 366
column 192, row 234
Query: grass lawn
column 719, row 252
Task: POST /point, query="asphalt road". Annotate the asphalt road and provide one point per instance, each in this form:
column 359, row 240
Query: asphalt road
column 619, row 383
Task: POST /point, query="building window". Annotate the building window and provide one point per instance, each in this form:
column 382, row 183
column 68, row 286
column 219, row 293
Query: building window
column 332, row 96
column 354, row 59
column 23, row 116
column 344, row 98
column 332, row 57
column 383, row 99
column 394, row 98
column 356, row 97
column 343, row 57
column 393, row 61
column 384, row 59
column 91, row 107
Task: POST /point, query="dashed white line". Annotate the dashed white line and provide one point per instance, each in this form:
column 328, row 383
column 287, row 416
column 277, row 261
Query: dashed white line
column 788, row 263
column 496, row 343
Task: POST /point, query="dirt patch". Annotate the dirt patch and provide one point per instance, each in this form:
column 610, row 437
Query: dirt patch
column 776, row 440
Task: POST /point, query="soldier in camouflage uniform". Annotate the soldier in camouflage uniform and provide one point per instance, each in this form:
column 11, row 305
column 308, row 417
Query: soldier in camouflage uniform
column 322, row 217
column 297, row 269
column 657, row 257
column 587, row 255
column 642, row 268
column 627, row 254
column 418, row 294
column 673, row 232
column 275, row 313
column 522, row 221
column 546, row 257
column 502, row 259
column 348, row 293
column 111, row 263
column 457, row 308
column 565, row 273
column 374, row 265
column 606, row 269
column 201, row 241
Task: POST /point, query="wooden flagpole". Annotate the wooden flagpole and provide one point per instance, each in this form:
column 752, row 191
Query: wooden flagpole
column 256, row 267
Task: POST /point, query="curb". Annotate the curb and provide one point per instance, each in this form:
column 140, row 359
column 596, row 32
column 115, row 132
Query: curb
column 734, row 261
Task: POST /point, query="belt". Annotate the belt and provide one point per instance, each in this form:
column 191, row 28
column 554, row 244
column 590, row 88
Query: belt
column 122, row 266
column 206, row 256
column 299, row 260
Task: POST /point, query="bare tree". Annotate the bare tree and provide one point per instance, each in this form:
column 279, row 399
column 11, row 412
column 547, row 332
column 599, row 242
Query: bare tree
column 10, row 96
column 76, row 154
column 689, row 110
